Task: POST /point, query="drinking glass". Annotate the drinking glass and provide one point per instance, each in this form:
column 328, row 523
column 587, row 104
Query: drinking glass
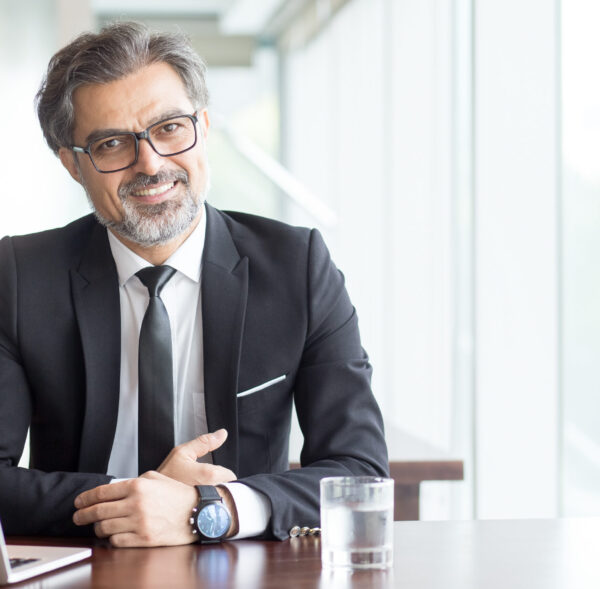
column 357, row 515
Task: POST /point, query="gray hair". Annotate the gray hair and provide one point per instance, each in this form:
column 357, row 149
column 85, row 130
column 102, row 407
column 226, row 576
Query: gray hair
column 115, row 52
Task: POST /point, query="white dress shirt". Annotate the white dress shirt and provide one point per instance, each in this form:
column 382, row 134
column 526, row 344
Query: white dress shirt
column 182, row 299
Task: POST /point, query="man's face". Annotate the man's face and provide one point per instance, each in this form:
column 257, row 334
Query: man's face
column 158, row 198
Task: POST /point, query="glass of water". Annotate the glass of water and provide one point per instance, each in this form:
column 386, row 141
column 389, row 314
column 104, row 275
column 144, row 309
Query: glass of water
column 357, row 515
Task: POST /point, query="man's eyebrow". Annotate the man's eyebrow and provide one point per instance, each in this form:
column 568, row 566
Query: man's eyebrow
column 102, row 134
column 98, row 134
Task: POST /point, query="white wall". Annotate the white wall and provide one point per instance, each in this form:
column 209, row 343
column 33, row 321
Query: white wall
column 37, row 192
column 516, row 246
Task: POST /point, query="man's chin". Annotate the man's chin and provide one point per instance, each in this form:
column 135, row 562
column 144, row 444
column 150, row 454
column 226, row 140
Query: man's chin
column 154, row 224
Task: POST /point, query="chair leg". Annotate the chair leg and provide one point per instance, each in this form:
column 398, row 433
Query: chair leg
column 406, row 502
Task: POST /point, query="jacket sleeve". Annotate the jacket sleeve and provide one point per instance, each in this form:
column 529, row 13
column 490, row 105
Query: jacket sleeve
column 337, row 412
column 31, row 501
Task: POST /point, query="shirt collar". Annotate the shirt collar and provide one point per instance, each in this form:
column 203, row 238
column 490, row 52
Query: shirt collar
column 186, row 259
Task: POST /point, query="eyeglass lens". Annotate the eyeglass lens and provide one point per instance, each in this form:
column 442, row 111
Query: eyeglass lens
column 166, row 137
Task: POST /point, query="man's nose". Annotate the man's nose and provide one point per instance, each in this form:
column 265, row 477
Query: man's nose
column 148, row 162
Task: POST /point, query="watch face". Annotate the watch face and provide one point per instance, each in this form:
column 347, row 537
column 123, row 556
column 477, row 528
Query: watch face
column 213, row 520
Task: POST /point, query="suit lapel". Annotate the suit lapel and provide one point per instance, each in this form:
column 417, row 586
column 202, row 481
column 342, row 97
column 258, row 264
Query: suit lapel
column 224, row 296
column 95, row 293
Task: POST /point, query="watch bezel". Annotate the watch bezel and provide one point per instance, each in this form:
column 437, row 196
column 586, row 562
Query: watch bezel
column 201, row 524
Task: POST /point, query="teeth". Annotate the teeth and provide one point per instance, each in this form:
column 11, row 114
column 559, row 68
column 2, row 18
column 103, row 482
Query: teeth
column 153, row 191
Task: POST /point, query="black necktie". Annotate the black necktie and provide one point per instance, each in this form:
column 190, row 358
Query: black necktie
column 155, row 371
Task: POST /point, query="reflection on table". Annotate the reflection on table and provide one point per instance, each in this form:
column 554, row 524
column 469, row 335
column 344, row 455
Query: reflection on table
column 516, row 554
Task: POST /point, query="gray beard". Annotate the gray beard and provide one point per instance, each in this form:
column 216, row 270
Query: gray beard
column 151, row 225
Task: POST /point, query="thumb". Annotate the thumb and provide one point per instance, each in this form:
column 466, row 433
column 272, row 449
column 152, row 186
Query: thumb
column 206, row 443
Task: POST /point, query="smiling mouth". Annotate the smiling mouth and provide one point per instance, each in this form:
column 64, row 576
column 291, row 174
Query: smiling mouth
column 154, row 191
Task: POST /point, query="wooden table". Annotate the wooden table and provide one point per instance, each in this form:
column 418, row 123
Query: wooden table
column 515, row 554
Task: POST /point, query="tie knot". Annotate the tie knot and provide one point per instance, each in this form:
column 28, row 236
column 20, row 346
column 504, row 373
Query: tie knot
column 155, row 277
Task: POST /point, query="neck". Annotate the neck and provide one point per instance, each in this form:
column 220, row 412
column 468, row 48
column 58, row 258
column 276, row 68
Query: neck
column 158, row 254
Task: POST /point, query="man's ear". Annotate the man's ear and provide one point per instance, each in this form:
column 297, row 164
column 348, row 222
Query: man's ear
column 204, row 120
column 67, row 158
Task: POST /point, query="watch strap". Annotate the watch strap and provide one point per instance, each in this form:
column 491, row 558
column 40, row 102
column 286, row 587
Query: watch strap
column 208, row 493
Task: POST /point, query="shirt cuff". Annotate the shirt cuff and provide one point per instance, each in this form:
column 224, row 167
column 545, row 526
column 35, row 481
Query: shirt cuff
column 117, row 481
column 253, row 510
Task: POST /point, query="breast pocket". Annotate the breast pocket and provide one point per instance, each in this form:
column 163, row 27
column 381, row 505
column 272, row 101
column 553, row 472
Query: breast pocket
column 263, row 395
column 264, row 412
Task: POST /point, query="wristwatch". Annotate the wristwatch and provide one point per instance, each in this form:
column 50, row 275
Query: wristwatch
column 210, row 519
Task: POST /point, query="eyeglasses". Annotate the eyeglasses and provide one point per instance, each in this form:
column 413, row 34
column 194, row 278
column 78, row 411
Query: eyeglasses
column 168, row 137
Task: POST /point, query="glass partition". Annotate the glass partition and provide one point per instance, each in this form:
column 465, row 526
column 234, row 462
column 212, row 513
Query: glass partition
column 580, row 257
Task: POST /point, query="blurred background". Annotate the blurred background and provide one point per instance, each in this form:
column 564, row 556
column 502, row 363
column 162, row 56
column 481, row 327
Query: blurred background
column 449, row 152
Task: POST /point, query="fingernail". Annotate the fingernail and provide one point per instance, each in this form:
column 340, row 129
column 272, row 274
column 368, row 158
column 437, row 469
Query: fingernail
column 77, row 502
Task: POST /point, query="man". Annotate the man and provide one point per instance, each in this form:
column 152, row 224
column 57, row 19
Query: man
column 148, row 401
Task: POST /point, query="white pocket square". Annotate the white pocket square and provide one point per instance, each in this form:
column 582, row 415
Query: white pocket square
column 262, row 386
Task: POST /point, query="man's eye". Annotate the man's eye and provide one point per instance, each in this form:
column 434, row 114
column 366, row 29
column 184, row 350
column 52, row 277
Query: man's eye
column 110, row 144
column 169, row 128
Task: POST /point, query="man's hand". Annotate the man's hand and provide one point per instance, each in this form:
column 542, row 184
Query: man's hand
column 152, row 510
column 181, row 463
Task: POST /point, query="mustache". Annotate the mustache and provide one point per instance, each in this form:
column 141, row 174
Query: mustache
column 142, row 181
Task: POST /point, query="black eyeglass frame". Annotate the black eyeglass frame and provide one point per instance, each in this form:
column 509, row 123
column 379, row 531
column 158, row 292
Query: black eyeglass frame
column 145, row 134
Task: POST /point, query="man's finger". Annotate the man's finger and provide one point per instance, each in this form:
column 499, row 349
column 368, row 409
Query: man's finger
column 152, row 474
column 100, row 512
column 127, row 540
column 109, row 527
column 101, row 494
column 204, row 444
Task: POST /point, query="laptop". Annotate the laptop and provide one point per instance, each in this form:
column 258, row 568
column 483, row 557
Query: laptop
column 22, row 562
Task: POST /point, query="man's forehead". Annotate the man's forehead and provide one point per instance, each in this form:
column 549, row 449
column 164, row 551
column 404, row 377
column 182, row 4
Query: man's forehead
column 130, row 101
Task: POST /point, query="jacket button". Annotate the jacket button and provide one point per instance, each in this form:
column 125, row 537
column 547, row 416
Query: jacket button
column 295, row 531
column 304, row 531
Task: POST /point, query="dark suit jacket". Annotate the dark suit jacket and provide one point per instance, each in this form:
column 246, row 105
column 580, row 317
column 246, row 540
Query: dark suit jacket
column 273, row 303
